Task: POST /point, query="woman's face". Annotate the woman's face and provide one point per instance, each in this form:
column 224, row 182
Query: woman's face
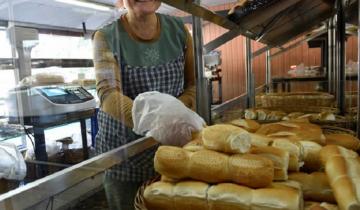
column 142, row 7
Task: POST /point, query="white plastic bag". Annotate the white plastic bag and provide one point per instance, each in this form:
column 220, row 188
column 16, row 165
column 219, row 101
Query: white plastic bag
column 164, row 118
column 12, row 164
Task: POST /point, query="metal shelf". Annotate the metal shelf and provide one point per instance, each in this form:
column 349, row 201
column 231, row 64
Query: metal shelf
column 274, row 25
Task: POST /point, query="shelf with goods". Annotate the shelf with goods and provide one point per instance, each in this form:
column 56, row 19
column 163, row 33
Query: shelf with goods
column 274, row 25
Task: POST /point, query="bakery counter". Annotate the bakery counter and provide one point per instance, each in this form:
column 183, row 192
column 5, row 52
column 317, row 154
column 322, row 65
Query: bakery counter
column 51, row 187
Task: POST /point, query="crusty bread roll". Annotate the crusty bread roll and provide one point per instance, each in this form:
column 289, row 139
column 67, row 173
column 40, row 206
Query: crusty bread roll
column 315, row 186
column 159, row 195
column 279, row 157
column 342, row 139
column 342, row 167
column 262, row 114
column 193, row 195
column 295, row 149
column 327, row 116
column 167, row 179
column 311, row 156
column 214, row 167
column 294, row 115
column 227, row 196
column 249, row 125
column 310, row 205
column 276, row 198
column 293, row 130
column 250, row 114
column 226, row 138
column 275, row 115
column 260, row 140
column 194, row 145
column 190, row 195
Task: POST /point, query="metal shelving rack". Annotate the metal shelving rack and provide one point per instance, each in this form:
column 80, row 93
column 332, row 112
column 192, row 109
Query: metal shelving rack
column 275, row 26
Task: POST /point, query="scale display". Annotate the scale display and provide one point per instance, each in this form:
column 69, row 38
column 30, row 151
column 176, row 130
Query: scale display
column 49, row 100
column 54, row 92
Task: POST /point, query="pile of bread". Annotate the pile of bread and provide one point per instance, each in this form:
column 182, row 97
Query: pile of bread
column 246, row 166
column 265, row 114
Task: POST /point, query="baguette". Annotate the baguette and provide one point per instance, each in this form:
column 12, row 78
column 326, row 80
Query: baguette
column 311, row 156
column 310, row 205
column 279, row 157
column 249, row 125
column 194, row 145
column 193, row 195
column 190, row 195
column 250, row 114
column 226, row 138
column 345, row 140
column 260, row 140
column 295, row 149
column 315, row 186
column 342, row 167
column 262, row 114
column 275, row 115
column 294, row 130
column 214, row 167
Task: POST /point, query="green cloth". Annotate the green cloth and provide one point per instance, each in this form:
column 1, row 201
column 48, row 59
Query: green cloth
column 169, row 46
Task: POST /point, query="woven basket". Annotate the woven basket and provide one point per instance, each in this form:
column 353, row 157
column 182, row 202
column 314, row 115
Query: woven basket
column 139, row 202
column 327, row 129
column 297, row 99
column 351, row 99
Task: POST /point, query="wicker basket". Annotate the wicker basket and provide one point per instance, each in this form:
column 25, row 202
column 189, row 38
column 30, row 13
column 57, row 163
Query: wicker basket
column 327, row 129
column 313, row 99
column 139, row 202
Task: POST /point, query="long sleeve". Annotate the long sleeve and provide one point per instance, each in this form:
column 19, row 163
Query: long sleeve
column 108, row 82
column 189, row 95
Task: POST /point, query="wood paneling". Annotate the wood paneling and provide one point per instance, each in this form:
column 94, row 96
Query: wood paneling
column 233, row 61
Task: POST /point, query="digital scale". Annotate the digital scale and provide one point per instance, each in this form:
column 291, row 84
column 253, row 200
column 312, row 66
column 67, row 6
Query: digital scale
column 48, row 100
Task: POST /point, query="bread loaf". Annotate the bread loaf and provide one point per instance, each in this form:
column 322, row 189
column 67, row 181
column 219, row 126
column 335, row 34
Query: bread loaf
column 295, row 149
column 279, row 157
column 275, row 115
column 327, row 116
column 342, row 167
column 250, row 114
column 260, row 140
column 311, row 156
column 249, row 125
column 270, row 199
column 262, row 114
column 214, row 167
column 194, row 145
column 230, row 197
column 192, row 195
column 315, row 186
column 293, row 130
column 226, row 138
column 345, row 140
column 310, row 205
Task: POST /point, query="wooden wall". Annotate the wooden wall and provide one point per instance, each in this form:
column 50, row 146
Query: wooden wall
column 233, row 60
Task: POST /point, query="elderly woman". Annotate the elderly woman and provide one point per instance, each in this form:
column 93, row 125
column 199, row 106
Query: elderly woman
column 141, row 51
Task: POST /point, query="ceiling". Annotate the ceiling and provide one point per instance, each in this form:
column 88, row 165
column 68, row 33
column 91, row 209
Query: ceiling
column 57, row 15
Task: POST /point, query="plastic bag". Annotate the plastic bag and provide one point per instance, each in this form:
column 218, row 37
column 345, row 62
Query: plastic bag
column 12, row 164
column 164, row 118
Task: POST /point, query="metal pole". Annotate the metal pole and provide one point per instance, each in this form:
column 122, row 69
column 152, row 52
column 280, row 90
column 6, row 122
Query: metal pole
column 203, row 106
column 268, row 71
column 335, row 56
column 249, row 75
column 358, row 85
column 331, row 59
column 340, row 39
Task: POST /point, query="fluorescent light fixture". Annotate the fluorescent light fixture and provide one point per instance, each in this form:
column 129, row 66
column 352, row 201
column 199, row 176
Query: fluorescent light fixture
column 85, row 4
